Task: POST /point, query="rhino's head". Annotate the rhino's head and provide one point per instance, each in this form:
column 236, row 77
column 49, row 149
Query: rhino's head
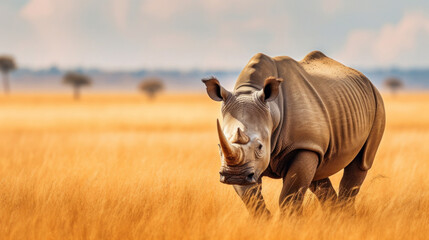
column 248, row 121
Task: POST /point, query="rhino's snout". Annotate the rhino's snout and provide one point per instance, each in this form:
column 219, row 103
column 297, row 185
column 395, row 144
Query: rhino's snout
column 238, row 176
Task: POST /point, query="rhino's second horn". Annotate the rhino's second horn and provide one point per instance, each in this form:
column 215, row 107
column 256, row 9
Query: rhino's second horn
column 240, row 137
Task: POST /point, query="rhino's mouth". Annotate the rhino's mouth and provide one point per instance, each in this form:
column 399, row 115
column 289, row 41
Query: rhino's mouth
column 238, row 175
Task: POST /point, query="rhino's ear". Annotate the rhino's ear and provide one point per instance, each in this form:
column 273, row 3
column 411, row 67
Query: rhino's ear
column 215, row 90
column 271, row 89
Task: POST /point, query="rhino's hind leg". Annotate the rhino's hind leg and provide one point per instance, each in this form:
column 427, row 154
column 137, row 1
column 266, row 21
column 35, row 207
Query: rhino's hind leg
column 253, row 199
column 351, row 182
column 324, row 190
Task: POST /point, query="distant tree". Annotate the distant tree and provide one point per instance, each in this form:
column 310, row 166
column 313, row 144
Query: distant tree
column 151, row 86
column 7, row 64
column 393, row 84
column 76, row 80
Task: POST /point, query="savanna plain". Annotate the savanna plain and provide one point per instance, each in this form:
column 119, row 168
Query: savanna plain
column 117, row 166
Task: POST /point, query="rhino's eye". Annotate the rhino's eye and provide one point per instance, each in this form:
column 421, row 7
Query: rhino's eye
column 258, row 151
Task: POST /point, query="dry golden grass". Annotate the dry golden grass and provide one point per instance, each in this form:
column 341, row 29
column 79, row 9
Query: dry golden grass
column 120, row 167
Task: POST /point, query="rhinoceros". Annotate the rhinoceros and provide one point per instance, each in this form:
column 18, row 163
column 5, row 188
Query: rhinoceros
column 301, row 121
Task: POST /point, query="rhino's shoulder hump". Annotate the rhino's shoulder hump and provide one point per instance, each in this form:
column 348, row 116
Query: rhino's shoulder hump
column 317, row 58
column 317, row 63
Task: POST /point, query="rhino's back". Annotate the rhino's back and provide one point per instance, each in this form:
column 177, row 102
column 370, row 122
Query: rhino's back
column 349, row 100
column 328, row 108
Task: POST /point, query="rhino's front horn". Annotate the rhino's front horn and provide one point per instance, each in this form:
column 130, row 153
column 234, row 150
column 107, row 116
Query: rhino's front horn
column 231, row 153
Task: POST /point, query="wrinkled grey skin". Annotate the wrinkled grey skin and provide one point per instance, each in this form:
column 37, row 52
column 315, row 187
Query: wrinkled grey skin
column 299, row 121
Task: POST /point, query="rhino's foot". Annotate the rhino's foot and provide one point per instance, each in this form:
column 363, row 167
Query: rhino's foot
column 324, row 192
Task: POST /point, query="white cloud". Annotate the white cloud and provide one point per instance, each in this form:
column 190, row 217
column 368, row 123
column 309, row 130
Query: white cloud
column 168, row 9
column 358, row 48
column 162, row 9
column 331, row 6
column 393, row 40
column 37, row 10
column 73, row 33
column 54, row 29
column 398, row 44
column 120, row 10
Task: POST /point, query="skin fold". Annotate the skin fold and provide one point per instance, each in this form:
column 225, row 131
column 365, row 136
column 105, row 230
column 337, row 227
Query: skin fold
column 301, row 121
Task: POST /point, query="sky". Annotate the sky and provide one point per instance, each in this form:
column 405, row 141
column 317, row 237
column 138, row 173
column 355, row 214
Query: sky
column 212, row 34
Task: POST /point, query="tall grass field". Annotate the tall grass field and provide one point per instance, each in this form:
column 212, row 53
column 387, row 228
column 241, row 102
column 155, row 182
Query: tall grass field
column 116, row 166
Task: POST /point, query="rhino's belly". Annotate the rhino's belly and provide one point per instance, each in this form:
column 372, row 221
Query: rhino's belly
column 337, row 161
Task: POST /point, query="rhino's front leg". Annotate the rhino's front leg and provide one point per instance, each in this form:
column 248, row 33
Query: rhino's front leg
column 297, row 180
column 253, row 199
